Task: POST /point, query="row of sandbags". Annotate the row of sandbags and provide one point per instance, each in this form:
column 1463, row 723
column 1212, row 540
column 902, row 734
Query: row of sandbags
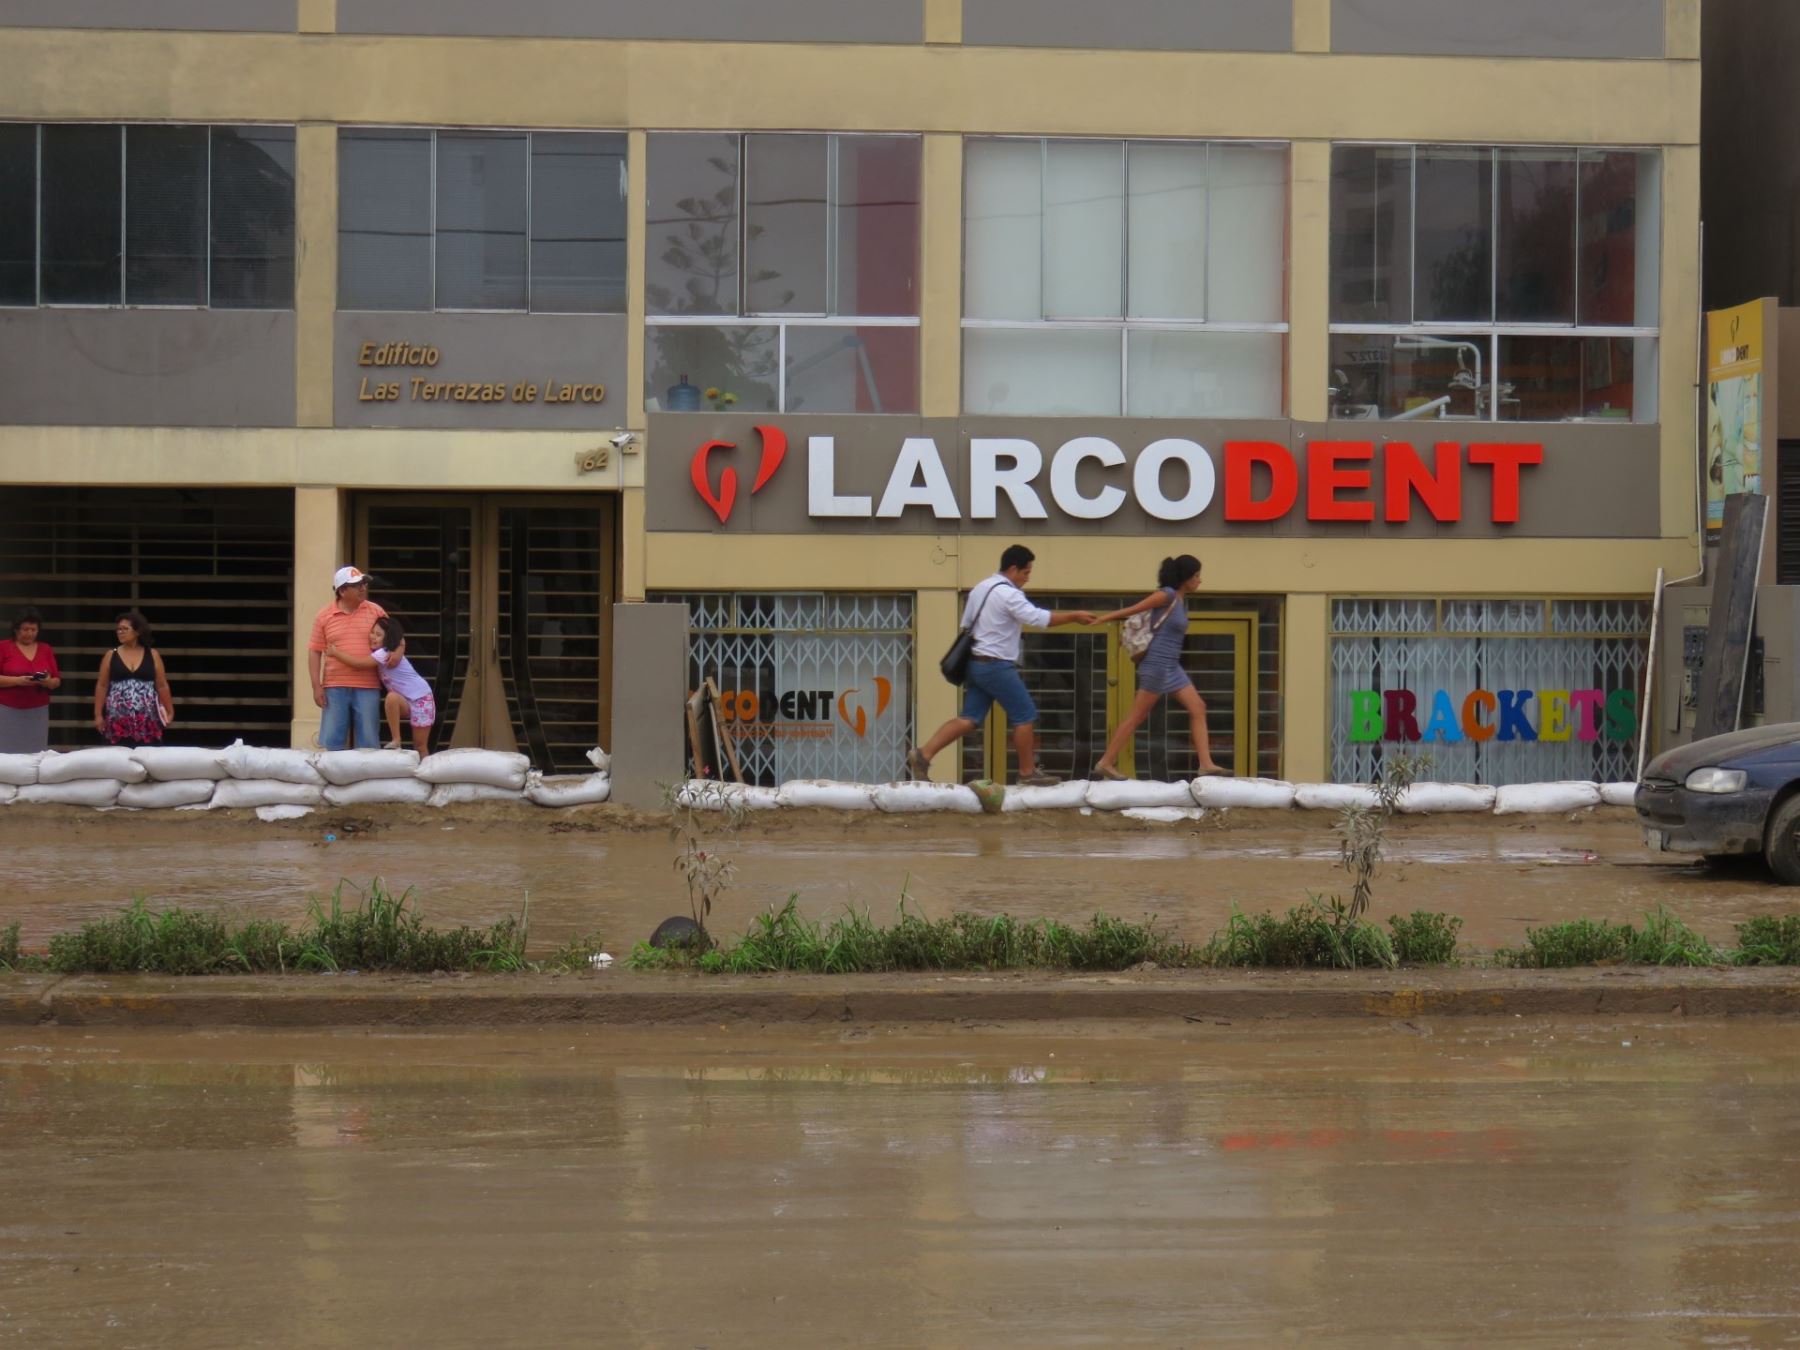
column 247, row 776
column 1180, row 797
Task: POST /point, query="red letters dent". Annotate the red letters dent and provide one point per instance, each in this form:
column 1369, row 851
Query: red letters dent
column 1334, row 468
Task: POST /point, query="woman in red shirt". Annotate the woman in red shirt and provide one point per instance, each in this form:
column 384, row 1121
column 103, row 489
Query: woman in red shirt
column 28, row 674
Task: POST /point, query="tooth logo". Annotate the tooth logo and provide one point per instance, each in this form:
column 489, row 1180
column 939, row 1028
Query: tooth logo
column 774, row 450
column 855, row 716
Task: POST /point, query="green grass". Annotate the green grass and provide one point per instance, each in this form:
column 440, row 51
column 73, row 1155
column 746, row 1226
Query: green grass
column 1306, row 937
column 1663, row 940
column 1773, row 940
column 1425, row 939
column 9, row 947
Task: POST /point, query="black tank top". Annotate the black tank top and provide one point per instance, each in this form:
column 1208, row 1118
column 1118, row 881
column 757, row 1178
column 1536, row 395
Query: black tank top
column 120, row 671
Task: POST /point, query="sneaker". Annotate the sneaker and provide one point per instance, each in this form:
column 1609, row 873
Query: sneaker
column 1039, row 780
column 917, row 765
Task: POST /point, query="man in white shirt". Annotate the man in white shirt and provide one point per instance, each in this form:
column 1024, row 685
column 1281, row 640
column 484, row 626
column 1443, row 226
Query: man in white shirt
column 996, row 612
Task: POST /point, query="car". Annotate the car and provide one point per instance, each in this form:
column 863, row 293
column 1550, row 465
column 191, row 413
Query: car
column 1727, row 796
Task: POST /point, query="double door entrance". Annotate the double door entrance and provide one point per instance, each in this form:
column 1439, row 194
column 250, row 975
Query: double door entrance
column 507, row 602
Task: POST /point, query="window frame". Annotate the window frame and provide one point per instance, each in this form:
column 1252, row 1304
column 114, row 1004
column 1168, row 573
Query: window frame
column 1125, row 325
column 530, row 134
column 1493, row 330
column 781, row 321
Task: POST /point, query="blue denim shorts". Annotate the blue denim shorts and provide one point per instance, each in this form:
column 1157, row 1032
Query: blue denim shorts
column 991, row 682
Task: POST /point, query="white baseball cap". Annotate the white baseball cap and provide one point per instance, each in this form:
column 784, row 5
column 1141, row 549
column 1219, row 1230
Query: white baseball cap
column 347, row 576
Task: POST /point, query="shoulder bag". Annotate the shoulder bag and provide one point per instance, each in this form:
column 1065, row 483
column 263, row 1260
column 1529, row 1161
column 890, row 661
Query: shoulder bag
column 955, row 664
column 1135, row 633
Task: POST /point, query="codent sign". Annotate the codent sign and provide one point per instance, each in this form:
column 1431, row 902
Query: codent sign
column 1005, row 465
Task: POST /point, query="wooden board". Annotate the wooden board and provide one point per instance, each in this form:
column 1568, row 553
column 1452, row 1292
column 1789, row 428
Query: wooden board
column 1732, row 615
column 728, row 755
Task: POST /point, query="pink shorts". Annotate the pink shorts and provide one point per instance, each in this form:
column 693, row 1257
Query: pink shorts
column 422, row 711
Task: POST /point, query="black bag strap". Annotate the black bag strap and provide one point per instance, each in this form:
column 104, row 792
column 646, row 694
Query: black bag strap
column 982, row 608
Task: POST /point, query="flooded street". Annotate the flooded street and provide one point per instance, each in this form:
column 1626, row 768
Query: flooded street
column 1544, row 1183
column 611, row 873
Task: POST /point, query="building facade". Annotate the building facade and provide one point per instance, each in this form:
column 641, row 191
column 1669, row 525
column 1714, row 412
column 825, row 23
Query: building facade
column 796, row 312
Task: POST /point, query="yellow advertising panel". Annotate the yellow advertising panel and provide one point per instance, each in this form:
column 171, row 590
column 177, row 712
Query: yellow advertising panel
column 1734, row 405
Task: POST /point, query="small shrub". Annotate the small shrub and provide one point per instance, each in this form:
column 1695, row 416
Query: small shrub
column 1310, row 936
column 1666, row 941
column 576, row 954
column 9, row 946
column 386, row 932
column 1425, row 939
column 1770, row 940
column 165, row 942
column 1663, row 941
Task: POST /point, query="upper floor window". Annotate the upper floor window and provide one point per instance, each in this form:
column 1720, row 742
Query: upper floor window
column 104, row 214
column 782, row 273
column 1494, row 283
column 481, row 220
column 1143, row 278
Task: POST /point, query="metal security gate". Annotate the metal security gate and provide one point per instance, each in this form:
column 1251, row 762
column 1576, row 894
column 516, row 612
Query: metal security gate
column 210, row 569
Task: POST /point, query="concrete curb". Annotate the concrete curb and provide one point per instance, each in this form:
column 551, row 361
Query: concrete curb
column 627, row 1000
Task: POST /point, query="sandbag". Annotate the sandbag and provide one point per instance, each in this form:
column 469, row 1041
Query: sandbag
column 1428, row 799
column 1063, row 797
column 601, row 761
column 461, row 794
column 100, row 761
column 343, row 767
column 180, row 763
column 1163, row 815
column 166, row 796
column 274, row 813
column 7, row 793
column 247, row 792
column 701, row 794
column 905, row 799
column 19, row 770
column 1619, row 794
column 271, row 765
column 1249, row 794
column 495, row 768
column 1521, row 799
column 1104, row 796
column 379, row 792
column 822, row 794
column 81, row 792
column 1334, row 796
column 574, row 789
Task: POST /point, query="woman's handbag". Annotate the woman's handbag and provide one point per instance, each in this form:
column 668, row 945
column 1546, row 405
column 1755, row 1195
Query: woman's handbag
column 1135, row 633
column 955, row 664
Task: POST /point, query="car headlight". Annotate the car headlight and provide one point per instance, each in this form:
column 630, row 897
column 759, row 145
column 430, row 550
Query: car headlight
column 1717, row 780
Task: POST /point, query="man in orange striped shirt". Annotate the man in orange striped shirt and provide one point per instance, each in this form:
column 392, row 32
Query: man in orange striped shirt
column 346, row 693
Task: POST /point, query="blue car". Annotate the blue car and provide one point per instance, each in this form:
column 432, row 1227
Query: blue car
column 1727, row 796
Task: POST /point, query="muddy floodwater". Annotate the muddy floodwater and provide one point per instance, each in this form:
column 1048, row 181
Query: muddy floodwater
column 1553, row 1184
column 611, row 872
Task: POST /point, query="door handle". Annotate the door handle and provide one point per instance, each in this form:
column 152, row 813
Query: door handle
column 494, row 644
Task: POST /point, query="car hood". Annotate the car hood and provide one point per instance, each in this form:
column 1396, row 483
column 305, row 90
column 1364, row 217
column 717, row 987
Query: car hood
column 1723, row 750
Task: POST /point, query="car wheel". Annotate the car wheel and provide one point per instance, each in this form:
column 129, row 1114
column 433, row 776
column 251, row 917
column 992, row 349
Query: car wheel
column 1781, row 845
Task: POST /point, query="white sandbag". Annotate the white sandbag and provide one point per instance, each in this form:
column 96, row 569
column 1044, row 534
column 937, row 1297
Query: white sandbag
column 708, row 795
column 379, row 792
column 461, row 794
column 574, row 789
column 270, row 764
column 19, row 770
column 7, row 793
column 274, row 813
column 1163, row 815
column 100, row 761
column 1619, row 794
column 601, row 761
column 495, row 768
column 822, row 794
column 1430, row 799
column 81, row 792
column 1063, row 797
column 1104, row 796
column 247, row 792
column 155, row 796
column 1248, row 794
column 343, row 767
column 1333, row 796
column 180, row 763
column 1520, row 799
column 905, row 799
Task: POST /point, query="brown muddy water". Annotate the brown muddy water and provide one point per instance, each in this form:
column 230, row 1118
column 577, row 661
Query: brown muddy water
column 1545, row 1184
column 612, row 872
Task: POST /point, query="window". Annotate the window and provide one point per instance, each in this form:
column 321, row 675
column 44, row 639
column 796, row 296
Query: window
column 1144, row 278
column 783, row 273
column 152, row 215
column 481, row 220
column 1479, row 283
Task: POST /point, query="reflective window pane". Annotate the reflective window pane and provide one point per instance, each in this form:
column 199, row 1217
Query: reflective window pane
column 1195, row 374
column 384, row 219
column 691, row 249
column 852, row 370
column 875, row 226
column 1453, row 274
column 1054, row 372
column 481, row 220
column 1084, row 230
column 1371, row 234
column 1247, row 234
column 785, row 224
column 1558, row 379
column 1166, row 231
column 1620, row 228
column 1409, row 377
column 82, row 230
column 252, row 217
column 165, row 215
column 1003, row 229
column 577, row 223
column 1535, row 274
column 728, row 367
column 18, row 213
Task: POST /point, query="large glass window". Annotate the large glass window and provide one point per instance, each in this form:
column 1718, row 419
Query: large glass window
column 1482, row 283
column 481, row 220
column 1143, row 278
column 782, row 273
column 153, row 215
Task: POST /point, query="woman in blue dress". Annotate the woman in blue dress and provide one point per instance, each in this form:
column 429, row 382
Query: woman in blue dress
column 1160, row 672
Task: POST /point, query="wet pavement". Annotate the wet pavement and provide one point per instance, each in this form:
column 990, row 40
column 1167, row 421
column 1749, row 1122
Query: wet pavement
column 599, row 873
column 1542, row 1183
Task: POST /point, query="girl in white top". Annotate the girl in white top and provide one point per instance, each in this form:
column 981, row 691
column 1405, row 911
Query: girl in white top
column 406, row 689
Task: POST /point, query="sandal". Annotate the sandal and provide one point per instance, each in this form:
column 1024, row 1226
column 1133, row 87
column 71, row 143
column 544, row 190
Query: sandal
column 1213, row 773
column 1108, row 774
